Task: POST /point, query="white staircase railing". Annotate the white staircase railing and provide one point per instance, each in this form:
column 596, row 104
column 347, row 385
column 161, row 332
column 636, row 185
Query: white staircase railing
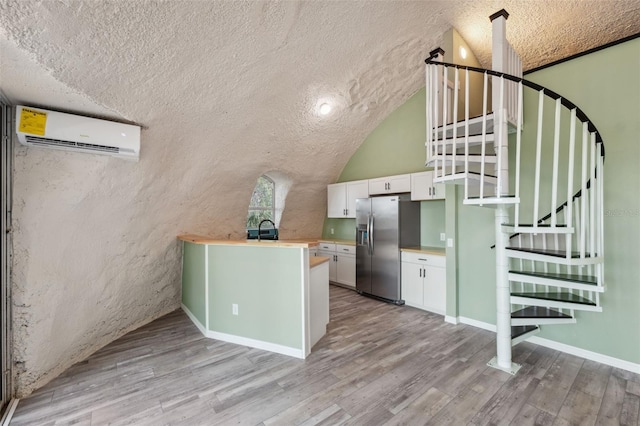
column 552, row 266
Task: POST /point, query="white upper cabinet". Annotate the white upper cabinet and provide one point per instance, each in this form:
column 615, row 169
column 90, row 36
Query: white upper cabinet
column 423, row 188
column 341, row 198
column 390, row 185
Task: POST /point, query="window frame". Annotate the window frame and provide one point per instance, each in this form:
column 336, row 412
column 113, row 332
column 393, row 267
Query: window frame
column 271, row 209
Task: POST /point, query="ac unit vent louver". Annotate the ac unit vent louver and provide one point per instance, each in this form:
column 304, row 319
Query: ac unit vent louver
column 57, row 130
column 70, row 144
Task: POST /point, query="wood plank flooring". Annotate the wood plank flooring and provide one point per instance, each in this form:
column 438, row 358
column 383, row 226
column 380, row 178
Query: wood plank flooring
column 379, row 364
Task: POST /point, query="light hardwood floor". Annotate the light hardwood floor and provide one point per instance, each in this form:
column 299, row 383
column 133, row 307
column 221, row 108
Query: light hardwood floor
column 378, row 364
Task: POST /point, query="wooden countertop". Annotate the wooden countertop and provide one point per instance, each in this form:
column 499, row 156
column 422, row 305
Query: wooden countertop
column 336, row 241
column 317, row 260
column 199, row 239
column 440, row 251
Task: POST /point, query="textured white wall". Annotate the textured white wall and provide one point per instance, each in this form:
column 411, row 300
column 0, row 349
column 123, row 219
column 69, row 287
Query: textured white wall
column 225, row 91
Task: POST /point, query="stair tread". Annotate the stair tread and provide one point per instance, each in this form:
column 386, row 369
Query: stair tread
column 485, row 175
column 557, row 296
column 477, row 197
column 583, row 279
column 549, row 252
column 519, row 330
column 539, row 312
column 530, row 225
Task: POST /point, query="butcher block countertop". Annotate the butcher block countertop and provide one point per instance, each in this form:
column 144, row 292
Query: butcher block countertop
column 317, row 260
column 337, row 241
column 439, row 251
column 199, row 239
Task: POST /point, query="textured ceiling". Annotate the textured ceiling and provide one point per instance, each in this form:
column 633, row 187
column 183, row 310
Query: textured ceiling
column 225, row 91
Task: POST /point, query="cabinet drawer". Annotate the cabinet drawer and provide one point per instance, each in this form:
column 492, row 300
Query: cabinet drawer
column 425, row 259
column 345, row 249
column 326, row 246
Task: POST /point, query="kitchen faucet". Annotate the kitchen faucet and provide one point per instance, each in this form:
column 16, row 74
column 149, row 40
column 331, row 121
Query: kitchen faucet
column 260, row 226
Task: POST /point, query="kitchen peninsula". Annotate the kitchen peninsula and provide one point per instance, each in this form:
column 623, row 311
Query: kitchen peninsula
column 264, row 294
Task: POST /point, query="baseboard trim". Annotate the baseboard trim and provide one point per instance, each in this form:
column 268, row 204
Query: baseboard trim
column 194, row 320
column 480, row 324
column 244, row 341
column 552, row 344
column 8, row 414
column 451, row 320
column 258, row 344
column 583, row 353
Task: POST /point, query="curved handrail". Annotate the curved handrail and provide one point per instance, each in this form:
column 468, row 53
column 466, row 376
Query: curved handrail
column 564, row 101
column 581, row 115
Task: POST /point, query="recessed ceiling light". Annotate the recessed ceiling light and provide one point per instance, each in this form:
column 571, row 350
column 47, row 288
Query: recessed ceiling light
column 463, row 52
column 324, row 109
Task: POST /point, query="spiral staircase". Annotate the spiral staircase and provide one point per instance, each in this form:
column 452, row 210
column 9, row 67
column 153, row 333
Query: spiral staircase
column 549, row 213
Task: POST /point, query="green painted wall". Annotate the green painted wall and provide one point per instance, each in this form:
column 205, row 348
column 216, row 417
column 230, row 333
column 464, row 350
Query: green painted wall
column 395, row 147
column 265, row 283
column 606, row 86
column 193, row 280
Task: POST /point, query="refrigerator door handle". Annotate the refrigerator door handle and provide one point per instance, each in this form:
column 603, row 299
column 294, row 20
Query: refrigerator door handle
column 371, row 236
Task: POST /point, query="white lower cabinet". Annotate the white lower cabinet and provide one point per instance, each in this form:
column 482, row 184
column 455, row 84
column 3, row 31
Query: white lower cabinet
column 342, row 263
column 424, row 281
column 346, row 265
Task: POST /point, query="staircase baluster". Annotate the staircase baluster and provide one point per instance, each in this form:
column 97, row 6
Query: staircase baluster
column 536, row 190
column 445, row 108
column 583, row 207
column 518, row 143
column 466, row 135
column 429, row 130
column 484, row 135
column 578, row 224
column 556, row 245
column 454, row 149
column 498, row 117
column 571, row 159
column 436, row 110
column 592, row 199
column 600, row 182
column 556, row 150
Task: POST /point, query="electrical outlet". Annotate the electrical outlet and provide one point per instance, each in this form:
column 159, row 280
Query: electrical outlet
column 331, row 231
column 234, row 309
column 442, row 236
column 450, row 242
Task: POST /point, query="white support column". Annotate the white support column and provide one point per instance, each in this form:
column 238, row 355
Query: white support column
column 499, row 62
column 503, row 294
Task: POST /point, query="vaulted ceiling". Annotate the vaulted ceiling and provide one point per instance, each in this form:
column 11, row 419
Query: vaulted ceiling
column 225, row 91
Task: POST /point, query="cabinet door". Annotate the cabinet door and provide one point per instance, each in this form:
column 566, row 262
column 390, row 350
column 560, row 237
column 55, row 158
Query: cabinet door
column 438, row 191
column 435, row 289
column 421, row 186
column 355, row 190
column 411, row 284
column 336, row 200
column 378, row 186
column 346, row 270
column 399, row 183
column 332, row 263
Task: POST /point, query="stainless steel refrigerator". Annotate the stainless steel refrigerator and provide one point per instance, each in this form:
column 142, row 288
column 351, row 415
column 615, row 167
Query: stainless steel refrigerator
column 383, row 226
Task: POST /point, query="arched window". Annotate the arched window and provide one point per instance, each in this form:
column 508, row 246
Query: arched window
column 263, row 202
column 268, row 198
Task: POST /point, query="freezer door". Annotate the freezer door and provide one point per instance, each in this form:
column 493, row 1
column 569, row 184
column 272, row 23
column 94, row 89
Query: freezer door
column 363, row 252
column 385, row 255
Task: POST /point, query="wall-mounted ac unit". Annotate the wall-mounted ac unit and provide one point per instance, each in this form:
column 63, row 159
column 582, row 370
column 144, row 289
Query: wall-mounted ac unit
column 51, row 129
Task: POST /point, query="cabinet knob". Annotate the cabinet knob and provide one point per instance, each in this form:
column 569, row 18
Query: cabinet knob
column 429, row 191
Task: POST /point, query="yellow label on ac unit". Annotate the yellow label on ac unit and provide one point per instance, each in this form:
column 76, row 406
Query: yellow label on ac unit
column 32, row 121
